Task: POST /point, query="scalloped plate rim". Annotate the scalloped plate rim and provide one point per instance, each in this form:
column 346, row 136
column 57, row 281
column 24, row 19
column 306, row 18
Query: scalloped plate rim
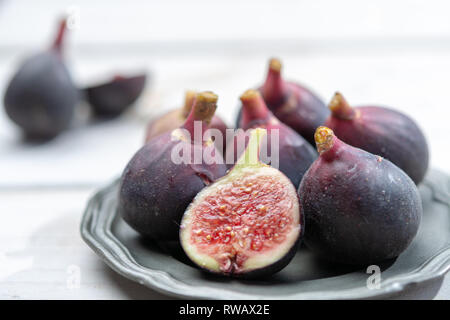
column 435, row 267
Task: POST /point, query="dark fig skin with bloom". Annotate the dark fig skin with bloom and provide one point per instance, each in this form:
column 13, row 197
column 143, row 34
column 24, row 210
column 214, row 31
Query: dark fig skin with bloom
column 155, row 190
column 41, row 97
column 359, row 208
column 175, row 118
column 112, row 98
column 295, row 153
column 381, row 131
column 292, row 103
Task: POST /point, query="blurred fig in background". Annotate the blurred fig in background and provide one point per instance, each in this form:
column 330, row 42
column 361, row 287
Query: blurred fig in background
column 112, row 98
column 41, row 96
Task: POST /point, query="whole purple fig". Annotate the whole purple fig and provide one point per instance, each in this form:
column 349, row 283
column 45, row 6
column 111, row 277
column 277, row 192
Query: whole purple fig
column 359, row 208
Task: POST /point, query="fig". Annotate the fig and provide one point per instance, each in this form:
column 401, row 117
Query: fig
column 41, row 96
column 292, row 103
column 294, row 154
column 359, row 208
column 381, row 131
column 157, row 186
column 112, row 98
column 175, row 118
column 247, row 223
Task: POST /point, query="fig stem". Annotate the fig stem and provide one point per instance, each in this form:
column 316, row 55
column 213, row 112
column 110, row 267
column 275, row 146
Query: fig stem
column 274, row 88
column 250, row 157
column 340, row 108
column 203, row 110
column 254, row 107
column 189, row 98
column 324, row 138
column 275, row 65
column 57, row 44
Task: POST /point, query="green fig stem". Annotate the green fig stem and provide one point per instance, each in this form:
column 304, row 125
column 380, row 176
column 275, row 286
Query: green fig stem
column 203, row 109
column 250, row 157
column 274, row 89
column 189, row 98
column 58, row 43
column 340, row 108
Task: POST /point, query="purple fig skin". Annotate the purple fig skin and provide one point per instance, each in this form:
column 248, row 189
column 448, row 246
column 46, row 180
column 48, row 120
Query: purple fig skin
column 175, row 118
column 295, row 153
column 359, row 208
column 112, row 98
column 41, row 97
column 219, row 124
column 292, row 103
column 155, row 191
column 384, row 132
column 301, row 110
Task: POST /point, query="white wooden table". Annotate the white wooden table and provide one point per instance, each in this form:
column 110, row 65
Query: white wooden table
column 395, row 54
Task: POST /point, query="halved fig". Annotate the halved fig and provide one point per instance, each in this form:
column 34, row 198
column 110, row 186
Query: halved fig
column 112, row 98
column 247, row 223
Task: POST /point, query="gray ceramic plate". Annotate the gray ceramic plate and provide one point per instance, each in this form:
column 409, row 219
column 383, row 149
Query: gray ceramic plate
column 305, row 277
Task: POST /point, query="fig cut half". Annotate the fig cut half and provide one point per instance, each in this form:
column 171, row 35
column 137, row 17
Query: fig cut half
column 247, row 223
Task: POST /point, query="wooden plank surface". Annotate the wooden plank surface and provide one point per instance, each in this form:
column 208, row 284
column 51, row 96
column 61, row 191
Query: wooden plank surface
column 42, row 255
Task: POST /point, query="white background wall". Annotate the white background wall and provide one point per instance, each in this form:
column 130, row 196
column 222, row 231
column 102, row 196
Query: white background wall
column 120, row 22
